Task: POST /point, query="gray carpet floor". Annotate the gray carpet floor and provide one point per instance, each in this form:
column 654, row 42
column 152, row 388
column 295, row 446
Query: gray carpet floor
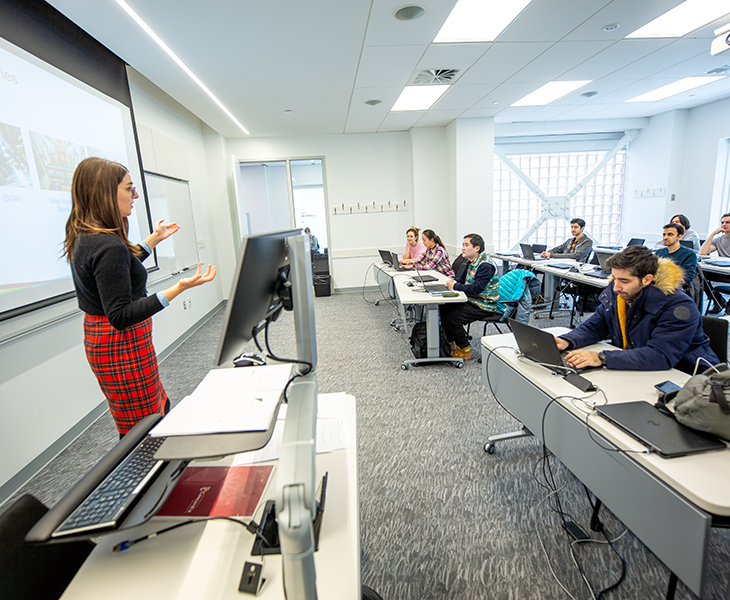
column 439, row 517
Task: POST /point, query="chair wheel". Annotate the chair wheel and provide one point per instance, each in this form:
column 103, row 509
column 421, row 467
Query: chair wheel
column 460, row 364
column 489, row 448
column 404, row 366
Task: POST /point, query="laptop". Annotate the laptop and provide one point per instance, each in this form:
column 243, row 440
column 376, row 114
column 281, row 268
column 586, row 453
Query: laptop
column 391, row 258
column 540, row 346
column 635, row 242
column 431, row 287
column 529, row 254
column 605, row 270
column 659, row 432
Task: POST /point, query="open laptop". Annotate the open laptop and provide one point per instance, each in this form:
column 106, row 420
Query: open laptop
column 540, row 347
column 529, row 254
column 431, row 287
column 659, row 432
column 390, row 258
column 635, row 242
column 605, row 271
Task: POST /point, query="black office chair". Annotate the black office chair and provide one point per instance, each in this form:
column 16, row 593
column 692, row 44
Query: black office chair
column 29, row 572
column 717, row 330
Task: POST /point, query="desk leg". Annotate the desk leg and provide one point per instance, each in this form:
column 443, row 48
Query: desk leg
column 432, row 341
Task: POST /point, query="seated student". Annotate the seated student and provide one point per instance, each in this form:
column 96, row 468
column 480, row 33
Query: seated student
column 684, row 257
column 719, row 239
column 690, row 235
column 435, row 258
column 414, row 246
column 643, row 311
column 480, row 282
column 313, row 241
column 578, row 247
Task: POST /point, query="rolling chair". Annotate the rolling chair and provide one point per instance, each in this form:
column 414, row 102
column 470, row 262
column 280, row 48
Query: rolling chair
column 29, row 572
column 717, row 330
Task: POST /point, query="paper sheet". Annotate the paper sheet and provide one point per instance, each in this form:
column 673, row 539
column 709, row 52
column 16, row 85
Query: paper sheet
column 228, row 400
column 329, row 406
column 332, row 434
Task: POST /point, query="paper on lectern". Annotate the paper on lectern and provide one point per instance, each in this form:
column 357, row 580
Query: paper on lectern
column 228, row 400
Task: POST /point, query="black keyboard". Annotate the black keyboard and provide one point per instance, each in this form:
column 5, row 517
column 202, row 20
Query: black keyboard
column 112, row 500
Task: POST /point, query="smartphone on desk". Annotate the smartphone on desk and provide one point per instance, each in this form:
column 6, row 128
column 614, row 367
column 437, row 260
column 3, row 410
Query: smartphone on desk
column 667, row 387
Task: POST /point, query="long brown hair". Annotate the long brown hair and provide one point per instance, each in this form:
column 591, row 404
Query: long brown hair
column 94, row 206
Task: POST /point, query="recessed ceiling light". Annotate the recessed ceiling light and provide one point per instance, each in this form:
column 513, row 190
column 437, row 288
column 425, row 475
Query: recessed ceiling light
column 686, row 17
column 419, row 97
column 495, row 102
column 612, row 27
column 148, row 30
column 478, row 21
column 372, row 102
column 409, row 12
column 683, row 85
column 550, row 92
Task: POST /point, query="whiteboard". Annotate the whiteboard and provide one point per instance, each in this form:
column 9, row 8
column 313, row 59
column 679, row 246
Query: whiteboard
column 169, row 199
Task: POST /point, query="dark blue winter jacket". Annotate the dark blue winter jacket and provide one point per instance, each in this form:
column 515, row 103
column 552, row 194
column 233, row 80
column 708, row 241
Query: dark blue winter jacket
column 664, row 327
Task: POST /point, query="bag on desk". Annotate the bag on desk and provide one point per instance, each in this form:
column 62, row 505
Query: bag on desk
column 704, row 402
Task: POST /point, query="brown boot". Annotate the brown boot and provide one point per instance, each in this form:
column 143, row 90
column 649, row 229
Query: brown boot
column 453, row 347
column 463, row 353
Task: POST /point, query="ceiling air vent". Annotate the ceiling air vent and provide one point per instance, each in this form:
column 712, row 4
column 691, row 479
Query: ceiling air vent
column 435, row 76
column 719, row 70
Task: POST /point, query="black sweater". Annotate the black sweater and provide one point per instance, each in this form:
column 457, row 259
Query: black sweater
column 111, row 281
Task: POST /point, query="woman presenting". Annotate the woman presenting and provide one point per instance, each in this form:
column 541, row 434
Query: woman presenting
column 110, row 284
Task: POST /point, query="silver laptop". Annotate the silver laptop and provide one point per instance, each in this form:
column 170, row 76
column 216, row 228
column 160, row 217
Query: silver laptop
column 659, row 432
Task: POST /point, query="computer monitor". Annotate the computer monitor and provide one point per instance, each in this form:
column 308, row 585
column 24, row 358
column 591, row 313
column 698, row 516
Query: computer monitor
column 265, row 260
column 262, row 271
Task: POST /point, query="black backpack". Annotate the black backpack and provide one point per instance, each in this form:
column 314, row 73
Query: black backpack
column 419, row 344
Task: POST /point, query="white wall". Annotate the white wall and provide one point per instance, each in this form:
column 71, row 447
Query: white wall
column 46, row 385
column 699, row 196
column 358, row 168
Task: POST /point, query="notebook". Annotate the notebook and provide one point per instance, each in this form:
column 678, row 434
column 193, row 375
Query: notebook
column 540, row 346
column 529, row 254
column 658, row 432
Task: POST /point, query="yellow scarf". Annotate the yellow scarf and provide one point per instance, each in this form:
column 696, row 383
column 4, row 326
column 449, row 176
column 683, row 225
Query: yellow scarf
column 622, row 309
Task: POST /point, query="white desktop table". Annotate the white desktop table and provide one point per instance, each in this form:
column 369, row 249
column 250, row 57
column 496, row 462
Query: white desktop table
column 667, row 503
column 205, row 560
column 553, row 274
column 415, row 294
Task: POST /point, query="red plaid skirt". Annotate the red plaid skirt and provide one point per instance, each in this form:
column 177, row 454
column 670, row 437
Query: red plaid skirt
column 125, row 365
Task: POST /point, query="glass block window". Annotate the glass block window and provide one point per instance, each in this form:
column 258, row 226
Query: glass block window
column 516, row 208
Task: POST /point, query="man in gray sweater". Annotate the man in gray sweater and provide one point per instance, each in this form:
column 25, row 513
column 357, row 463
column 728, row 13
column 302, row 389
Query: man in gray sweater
column 578, row 247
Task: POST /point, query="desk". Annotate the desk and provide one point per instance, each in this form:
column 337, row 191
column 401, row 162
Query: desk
column 667, row 503
column 417, row 295
column 384, row 274
column 553, row 274
column 206, row 560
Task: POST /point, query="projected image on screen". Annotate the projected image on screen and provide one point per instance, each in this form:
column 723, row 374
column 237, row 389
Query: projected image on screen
column 14, row 169
column 55, row 161
column 49, row 122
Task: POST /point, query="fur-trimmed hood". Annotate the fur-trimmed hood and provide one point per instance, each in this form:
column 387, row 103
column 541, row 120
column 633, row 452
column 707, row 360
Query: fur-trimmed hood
column 669, row 276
